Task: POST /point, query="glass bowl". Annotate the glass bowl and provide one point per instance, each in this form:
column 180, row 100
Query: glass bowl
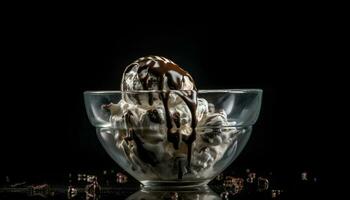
column 169, row 143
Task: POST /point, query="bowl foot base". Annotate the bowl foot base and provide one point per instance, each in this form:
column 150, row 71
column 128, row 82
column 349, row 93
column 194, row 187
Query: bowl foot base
column 174, row 185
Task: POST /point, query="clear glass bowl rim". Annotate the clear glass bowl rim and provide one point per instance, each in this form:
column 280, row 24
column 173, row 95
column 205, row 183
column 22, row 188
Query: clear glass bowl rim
column 233, row 91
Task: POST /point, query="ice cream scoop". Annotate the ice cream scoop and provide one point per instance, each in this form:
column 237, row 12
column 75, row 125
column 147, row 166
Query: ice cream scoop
column 170, row 115
column 160, row 73
column 156, row 73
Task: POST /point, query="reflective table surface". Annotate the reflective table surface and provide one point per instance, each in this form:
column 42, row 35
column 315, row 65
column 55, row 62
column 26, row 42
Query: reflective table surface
column 113, row 184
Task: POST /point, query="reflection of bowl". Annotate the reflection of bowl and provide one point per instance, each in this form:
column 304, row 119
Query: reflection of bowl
column 142, row 147
column 199, row 193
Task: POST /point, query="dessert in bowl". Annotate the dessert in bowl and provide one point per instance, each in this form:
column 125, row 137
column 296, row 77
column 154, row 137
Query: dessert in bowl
column 164, row 132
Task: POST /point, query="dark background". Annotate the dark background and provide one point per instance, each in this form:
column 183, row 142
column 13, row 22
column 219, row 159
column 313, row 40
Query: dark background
column 45, row 130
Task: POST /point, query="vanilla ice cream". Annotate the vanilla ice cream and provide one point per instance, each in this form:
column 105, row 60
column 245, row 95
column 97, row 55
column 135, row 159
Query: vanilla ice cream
column 163, row 127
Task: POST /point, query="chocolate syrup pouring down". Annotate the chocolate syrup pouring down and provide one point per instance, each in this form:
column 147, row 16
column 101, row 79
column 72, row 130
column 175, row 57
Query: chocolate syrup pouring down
column 173, row 76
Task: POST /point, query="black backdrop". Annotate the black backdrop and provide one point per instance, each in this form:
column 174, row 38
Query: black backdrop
column 45, row 127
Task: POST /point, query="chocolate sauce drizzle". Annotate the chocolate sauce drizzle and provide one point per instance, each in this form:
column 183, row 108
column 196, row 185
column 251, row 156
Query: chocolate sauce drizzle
column 170, row 74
